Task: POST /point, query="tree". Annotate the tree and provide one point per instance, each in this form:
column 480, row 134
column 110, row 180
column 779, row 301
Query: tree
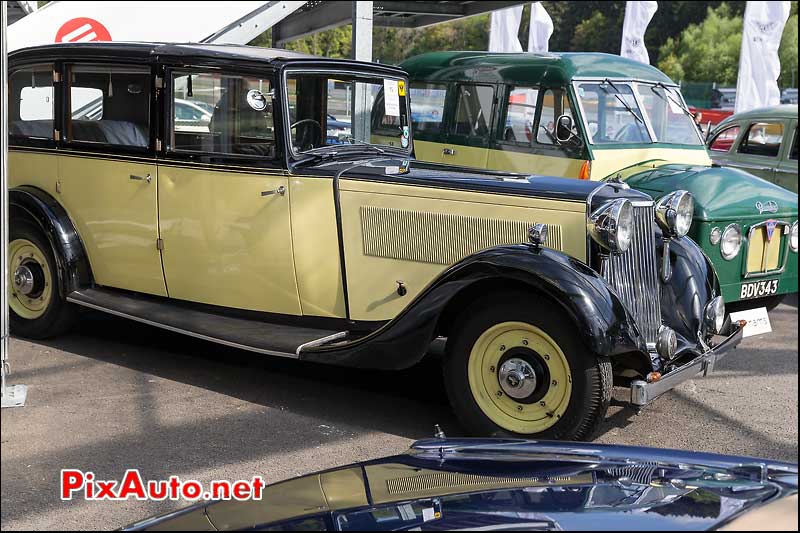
column 708, row 51
column 788, row 52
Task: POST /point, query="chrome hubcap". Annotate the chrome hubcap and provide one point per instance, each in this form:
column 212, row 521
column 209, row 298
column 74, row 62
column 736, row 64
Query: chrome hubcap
column 23, row 280
column 517, row 378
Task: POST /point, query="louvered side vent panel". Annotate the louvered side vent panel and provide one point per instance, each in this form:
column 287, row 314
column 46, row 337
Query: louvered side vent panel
column 440, row 238
column 451, row 480
column 634, row 275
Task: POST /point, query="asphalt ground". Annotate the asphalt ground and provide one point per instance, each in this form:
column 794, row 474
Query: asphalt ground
column 115, row 395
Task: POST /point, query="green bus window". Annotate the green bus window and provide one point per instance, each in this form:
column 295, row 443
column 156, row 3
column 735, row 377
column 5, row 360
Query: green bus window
column 473, row 111
column 520, row 114
column 554, row 104
column 427, row 106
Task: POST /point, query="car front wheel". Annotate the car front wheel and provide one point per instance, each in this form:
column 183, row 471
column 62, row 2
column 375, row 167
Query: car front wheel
column 518, row 368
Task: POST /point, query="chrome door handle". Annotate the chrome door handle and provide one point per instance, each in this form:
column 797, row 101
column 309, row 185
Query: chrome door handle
column 147, row 178
column 448, row 151
column 280, row 190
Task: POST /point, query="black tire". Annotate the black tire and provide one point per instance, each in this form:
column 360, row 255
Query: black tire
column 592, row 378
column 59, row 316
column 770, row 302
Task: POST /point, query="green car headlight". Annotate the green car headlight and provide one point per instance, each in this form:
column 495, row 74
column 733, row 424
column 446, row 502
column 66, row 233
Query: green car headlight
column 715, row 236
column 731, row 241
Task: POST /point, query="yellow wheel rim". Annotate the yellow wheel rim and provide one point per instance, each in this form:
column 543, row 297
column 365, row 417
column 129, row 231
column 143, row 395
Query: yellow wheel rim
column 30, row 284
column 508, row 402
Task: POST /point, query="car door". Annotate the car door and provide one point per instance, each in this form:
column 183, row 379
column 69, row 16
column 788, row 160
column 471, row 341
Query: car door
column 467, row 141
column 108, row 179
column 786, row 174
column 224, row 198
column 722, row 146
column 759, row 148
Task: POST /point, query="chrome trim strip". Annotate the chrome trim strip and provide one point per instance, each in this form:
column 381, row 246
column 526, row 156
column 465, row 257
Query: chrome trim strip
column 320, row 342
column 178, row 330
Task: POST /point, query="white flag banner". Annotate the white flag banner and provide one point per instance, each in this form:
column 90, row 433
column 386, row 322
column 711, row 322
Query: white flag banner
column 759, row 64
column 181, row 22
column 637, row 16
column 503, row 30
column 541, row 29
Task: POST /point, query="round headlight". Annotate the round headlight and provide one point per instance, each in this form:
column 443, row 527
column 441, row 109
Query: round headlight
column 715, row 236
column 612, row 225
column 715, row 315
column 731, row 241
column 675, row 212
column 793, row 239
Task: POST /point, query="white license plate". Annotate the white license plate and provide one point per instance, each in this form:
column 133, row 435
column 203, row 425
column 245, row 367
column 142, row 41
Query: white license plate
column 759, row 289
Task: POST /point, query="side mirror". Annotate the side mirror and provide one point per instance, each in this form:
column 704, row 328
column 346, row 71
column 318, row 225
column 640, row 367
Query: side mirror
column 564, row 128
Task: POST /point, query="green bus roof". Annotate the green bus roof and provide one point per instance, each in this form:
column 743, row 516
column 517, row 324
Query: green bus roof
column 552, row 69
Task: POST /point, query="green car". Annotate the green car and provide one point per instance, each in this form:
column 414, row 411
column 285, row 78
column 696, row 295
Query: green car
column 762, row 142
column 603, row 117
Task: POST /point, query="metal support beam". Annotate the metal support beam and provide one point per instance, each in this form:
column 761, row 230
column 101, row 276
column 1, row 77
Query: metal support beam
column 362, row 51
column 316, row 18
column 254, row 24
column 12, row 396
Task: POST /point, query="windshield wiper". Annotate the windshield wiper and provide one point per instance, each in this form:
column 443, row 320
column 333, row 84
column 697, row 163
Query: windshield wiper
column 667, row 96
column 621, row 101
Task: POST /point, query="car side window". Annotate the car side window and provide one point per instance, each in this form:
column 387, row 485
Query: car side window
column 222, row 114
column 793, row 151
column 473, row 111
column 724, row 140
column 520, row 115
column 109, row 105
column 427, row 106
column 763, row 139
column 554, row 104
column 31, row 103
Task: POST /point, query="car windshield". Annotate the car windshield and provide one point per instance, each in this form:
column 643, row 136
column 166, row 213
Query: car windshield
column 669, row 119
column 335, row 109
column 619, row 112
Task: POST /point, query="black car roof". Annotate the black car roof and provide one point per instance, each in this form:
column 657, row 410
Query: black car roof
column 179, row 51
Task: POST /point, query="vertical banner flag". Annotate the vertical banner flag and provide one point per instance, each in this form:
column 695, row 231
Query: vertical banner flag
column 759, row 64
column 637, row 16
column 503, row 30
column 541, row 29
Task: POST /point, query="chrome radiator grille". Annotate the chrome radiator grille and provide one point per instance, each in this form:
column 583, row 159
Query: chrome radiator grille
column 634, row 274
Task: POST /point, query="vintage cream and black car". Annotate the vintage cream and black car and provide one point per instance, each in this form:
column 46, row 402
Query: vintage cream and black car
column 262, row 232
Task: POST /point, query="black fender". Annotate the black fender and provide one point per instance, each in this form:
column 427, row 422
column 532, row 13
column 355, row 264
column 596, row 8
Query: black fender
column 72, row 263
column 691, row 287
column 604, row 324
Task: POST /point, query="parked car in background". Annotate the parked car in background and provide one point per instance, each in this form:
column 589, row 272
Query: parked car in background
column 723, row 98
column 789, row 96
column 262, row 234
column 508, row 485
column 762, row 142
column 604, row 117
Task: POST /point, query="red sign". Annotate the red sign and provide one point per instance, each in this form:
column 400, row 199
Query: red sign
column 81, row 30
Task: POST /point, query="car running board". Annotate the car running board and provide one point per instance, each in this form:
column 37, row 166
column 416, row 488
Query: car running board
column 246, row 334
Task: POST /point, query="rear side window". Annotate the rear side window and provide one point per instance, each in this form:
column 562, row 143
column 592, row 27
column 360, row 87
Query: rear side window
column 427, row 106
column 109, row 105
column 473, row 111
column 520, row 114
column 219, row 114
column 31, row 103
column 793, row 152
column 763, row 139
column 724, row 140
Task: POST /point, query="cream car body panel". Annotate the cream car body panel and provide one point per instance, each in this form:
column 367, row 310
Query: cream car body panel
column 224, row 243
column 416, row 246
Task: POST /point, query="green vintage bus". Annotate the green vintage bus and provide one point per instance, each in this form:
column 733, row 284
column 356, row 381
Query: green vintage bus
column 603, row 117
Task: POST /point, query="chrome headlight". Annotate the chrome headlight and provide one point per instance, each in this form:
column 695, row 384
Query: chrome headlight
column 612, row 225
column 731, row 241
column 715, row 236
column 793, row 237
column 675, row 212
column 715, row 315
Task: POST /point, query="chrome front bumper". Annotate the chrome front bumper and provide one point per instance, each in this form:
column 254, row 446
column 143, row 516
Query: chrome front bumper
column 643, row 392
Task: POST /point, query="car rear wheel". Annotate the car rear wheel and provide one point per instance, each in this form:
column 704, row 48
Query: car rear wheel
column 519, row 369
column 37, row 308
